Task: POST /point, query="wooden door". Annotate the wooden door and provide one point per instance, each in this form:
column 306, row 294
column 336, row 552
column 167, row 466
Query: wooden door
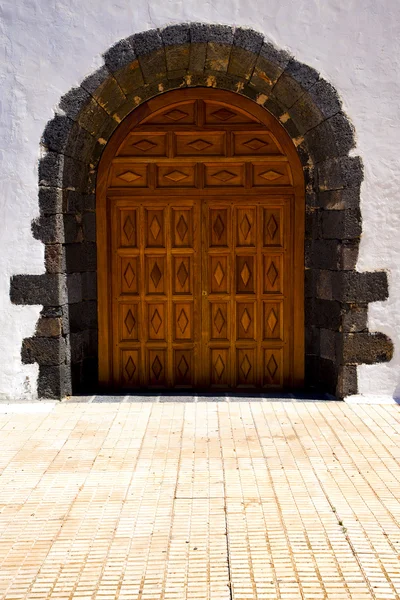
column 200, row 206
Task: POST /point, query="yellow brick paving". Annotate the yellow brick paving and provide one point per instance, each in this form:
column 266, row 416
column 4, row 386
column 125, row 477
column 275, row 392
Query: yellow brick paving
column 208, row 500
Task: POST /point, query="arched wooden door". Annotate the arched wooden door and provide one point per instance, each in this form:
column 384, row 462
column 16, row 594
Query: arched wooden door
column 200, row 212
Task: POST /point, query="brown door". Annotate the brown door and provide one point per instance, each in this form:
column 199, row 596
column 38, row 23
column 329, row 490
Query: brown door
column 200, row 245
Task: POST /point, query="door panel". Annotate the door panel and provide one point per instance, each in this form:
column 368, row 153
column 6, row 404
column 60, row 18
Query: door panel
column 196, row 242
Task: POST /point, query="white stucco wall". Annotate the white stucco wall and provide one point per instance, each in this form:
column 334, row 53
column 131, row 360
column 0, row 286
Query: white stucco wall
column 48, row 47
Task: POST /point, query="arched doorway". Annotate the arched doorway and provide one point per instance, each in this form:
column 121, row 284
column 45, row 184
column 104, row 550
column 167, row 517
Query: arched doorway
column 200, row 208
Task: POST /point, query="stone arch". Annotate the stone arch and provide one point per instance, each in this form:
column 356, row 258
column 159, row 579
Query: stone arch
column 200, row 55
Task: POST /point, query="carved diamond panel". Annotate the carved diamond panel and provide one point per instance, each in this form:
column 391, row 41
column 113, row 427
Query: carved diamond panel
column 245, row 366
column 271, row 175
column 155, row 228
column 246, row 226
column 219, row 274
column 156, row 321
column 273, row 273
column 144, row 145
column 273, row 367
column 219, row 226
column 130, row 321
column 183, row 316
column 155, row 274
column 245, row 274
column 255, row 144
column 181, row 281
column 129, row 230
column 176, row 114
column 176, row 176
column 273, row 221
column 130, row 368
column 245, row 316
column 169, row 176
column 219, row 320
column 273, row 321
column 200, row 144
column 219, row 366
column 129, row 275
column 224, row 176
column 223, row 114
column 182, row 274
column 183, row 367
column 229, row 175
column 157, row 367
column 129, row 176
column 129, row 278
column 182, row 228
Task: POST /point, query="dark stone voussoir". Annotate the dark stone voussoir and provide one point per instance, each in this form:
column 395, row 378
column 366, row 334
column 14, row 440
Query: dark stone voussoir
column 96, row 79
column 331, row 138
column 43, row 350
column 119, row 56
column 325, row 98
column 203, row 33
column 175, row 34
column 74, row 101
column 248, row 39
column 48, row 289
column 280, row 58
column 146, row 42
column 304, row 75
column 56, row 133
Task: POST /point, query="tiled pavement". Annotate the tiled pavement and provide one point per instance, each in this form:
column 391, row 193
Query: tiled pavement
column 173, row 500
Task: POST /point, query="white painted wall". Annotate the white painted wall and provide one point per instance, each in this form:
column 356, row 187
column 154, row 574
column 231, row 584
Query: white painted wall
column 47, row 47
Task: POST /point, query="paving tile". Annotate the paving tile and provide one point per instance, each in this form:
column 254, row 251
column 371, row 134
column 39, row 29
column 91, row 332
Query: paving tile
column 148, row 497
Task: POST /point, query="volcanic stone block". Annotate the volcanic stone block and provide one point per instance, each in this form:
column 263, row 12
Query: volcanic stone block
column 340, row 173
column 49, row 229
column 43, row 350
column 119, row 56
column 355, row 287
column 366, row 348
column 47, row 289
column 49, row 327
column 74, row 101
column 347, row 381
column 54, row 382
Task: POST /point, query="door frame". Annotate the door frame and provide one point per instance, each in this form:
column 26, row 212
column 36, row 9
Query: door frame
column 103, row 236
